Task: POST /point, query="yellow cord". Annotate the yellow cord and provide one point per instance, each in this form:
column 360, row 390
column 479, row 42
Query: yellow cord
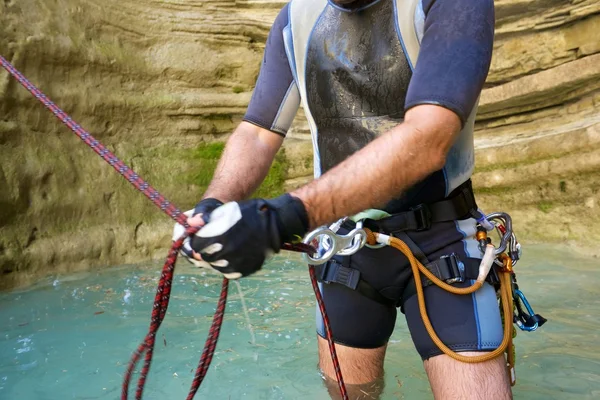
column 505, row 296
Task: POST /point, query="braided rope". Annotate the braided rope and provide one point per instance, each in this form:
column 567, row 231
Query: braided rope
column 163, row 291
column 328, row 333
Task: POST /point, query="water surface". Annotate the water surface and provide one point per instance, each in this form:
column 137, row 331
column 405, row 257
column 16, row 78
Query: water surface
column 70, row 337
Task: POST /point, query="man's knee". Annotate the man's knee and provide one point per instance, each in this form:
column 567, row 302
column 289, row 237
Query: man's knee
column 451, row 379
column 359, row 366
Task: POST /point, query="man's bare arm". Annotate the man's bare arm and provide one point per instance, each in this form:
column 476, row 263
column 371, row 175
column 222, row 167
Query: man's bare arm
column 244, row 164
column 384, row 168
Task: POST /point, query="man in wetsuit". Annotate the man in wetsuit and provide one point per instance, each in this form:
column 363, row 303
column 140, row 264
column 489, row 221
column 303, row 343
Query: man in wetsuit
column 390, row 90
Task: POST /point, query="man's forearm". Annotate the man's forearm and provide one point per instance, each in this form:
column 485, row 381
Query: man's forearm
column 383, row 169
column 244, row 164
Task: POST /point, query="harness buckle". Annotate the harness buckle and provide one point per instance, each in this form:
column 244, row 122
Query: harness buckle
column 422, row 215
column 334, row 272
column 448, row 268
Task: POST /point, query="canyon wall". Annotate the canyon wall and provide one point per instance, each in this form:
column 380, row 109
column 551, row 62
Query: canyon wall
column 156, row 80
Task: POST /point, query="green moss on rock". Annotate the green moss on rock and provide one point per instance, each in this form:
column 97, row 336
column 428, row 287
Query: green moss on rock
column 545, row 206
column 206, row 157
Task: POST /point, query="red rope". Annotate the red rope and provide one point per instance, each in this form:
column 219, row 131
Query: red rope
column 328, row 333
column 163, row 291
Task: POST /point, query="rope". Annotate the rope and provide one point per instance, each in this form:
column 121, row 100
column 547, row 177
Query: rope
column 329, row 334
column 505, row 295
column 163, row 291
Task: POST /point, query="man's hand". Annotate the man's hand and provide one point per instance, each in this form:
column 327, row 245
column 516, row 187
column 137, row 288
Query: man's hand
column 240, row 235
column 199, row 216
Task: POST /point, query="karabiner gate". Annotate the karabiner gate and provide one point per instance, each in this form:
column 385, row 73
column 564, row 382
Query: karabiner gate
column 526, row 319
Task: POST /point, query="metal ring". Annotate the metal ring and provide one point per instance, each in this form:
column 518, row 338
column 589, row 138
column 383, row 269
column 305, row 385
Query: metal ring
column 329, row 253
column 359, row 239
column 504, row 239
column 333, row 244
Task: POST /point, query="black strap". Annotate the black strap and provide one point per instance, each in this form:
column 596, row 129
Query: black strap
column 459, row 205
column 416, row 250
column 447, row 269
column 334, row 272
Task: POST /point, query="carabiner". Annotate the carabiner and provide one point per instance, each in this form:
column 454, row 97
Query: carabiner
column 505, row 237
column 335, row 244
column 529, row 321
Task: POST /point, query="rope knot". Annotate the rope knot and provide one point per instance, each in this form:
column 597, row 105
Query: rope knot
column 371, row 238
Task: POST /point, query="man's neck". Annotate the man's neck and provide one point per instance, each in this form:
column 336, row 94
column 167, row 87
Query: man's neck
column 352, row 5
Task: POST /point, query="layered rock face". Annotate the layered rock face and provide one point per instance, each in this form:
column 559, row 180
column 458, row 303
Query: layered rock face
column 152, row 80
column 538, row 130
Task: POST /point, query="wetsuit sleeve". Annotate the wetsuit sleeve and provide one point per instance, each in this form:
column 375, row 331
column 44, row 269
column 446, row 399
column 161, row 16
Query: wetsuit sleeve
column 455, row 55
column 275, row 99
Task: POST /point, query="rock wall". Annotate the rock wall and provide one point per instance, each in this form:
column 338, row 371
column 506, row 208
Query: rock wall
column 538, row 129
column 153, row 80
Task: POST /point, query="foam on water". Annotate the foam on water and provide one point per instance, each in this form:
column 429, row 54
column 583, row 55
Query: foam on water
column 70, row 337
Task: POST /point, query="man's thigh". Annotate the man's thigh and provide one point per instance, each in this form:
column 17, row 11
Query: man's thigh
column 361, row 329
column 359, row 366
column 451, row 379
column 469, row 324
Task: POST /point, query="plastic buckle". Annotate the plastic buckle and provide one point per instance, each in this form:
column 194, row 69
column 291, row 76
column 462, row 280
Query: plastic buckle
column 322, row 271
column 454, row 270
column 334, row 272
column 448, row 269
column 422, row 217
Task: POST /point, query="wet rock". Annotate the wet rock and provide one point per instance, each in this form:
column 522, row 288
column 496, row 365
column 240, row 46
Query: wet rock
column 152, row 80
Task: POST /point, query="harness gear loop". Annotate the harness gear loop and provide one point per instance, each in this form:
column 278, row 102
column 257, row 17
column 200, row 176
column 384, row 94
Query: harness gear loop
column 505, row 295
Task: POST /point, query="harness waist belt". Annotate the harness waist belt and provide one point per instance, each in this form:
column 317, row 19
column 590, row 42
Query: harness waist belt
column 459, row 205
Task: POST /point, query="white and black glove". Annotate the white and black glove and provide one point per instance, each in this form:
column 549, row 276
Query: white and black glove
column 204, row 207
column 240, row 235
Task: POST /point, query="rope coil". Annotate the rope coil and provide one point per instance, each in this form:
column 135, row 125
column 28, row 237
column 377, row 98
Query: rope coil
column 163, row 291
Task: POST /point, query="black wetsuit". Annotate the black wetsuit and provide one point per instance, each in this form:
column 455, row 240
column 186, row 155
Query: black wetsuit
column 351, row 71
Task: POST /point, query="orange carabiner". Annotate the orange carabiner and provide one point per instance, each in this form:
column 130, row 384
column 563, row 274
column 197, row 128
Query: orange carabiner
column 507, row 264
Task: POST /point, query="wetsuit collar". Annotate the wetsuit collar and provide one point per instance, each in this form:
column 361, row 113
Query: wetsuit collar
column 353, row 6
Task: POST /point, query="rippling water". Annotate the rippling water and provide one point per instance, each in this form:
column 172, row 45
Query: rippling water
column 70, row 337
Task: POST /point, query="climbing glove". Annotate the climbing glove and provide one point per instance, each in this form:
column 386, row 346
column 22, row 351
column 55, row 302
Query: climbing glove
column 204, row 207
column 240, row 235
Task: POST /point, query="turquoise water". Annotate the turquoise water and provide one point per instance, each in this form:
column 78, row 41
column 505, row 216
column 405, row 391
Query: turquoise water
column 70, row 337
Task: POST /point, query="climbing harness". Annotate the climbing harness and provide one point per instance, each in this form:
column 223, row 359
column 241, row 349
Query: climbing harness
column 161, row 300
column 496, row 267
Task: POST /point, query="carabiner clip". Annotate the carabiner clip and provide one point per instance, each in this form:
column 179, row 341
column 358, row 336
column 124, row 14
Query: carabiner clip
column 332, row 243
column 505, row 236
column 526, row 321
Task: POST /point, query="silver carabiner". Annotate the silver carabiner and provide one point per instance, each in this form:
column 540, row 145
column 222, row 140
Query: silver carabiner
column 335, row 244
column 515, row 250
column 505, row 239
column 357, row 238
